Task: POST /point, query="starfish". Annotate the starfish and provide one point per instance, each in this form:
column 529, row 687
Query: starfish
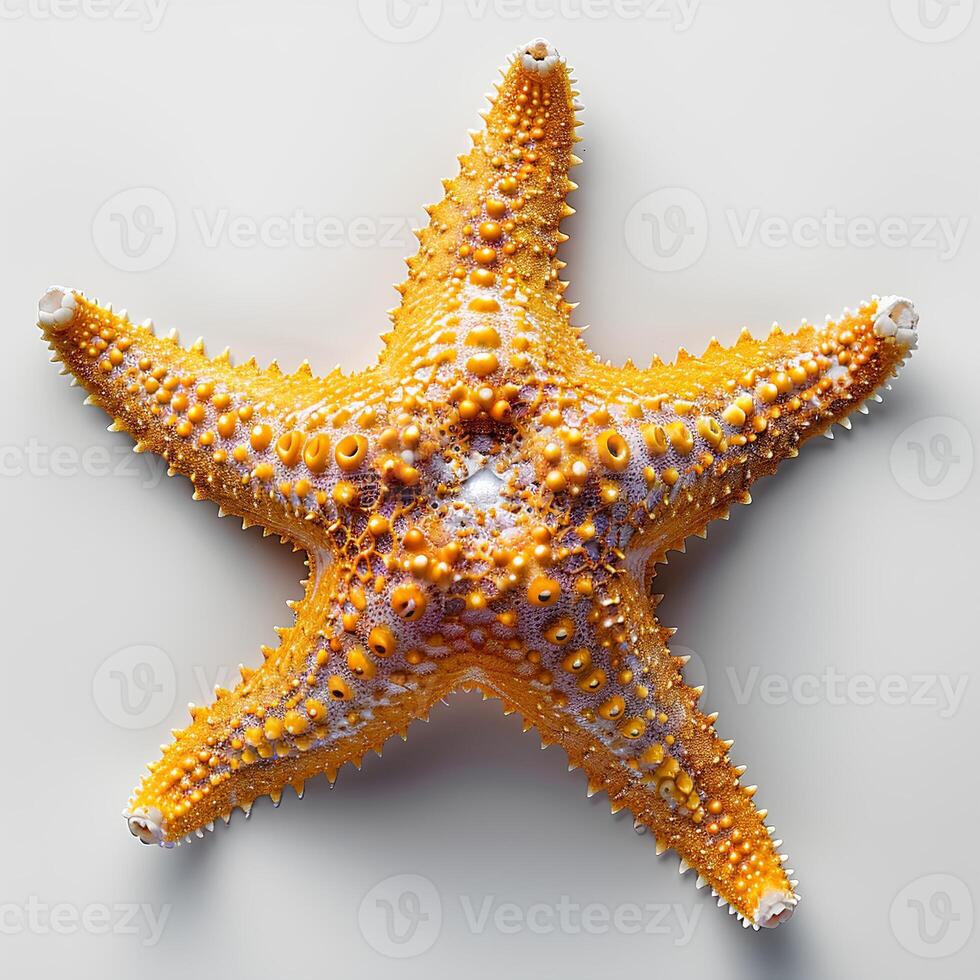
column 483, row 509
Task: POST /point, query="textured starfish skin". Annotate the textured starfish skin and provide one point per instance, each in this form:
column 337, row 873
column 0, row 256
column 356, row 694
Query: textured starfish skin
column 484, row 508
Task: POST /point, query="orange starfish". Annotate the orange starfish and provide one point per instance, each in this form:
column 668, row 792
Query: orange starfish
column 484, row 508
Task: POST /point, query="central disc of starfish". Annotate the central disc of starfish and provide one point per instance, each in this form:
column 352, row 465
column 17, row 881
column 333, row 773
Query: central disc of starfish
column 482, row 491
column 485, row 507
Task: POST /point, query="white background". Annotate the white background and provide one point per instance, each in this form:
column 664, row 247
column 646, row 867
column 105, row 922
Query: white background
column 849, row 132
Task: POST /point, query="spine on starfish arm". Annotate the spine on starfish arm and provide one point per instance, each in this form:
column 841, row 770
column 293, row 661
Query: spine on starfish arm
column 251, row 440
column 497, row 228
column 702, row 430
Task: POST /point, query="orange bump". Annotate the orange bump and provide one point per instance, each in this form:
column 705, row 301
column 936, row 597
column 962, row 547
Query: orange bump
column 289, row 447
column 350, row 452
column 317, row 453
column 543, row 591
column 482, row 364
column 614, row 451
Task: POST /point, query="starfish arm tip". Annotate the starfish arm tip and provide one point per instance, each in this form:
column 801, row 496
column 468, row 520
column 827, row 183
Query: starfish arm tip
column 775, row 907
column 147, row 825
column 896, row 316
column 56, row 308
column 539, row 56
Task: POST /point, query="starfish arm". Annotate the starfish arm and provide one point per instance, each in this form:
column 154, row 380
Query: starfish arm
column 673, row 447
column 488, row 254
column 260, row 443
column 606, row 688
column 323, row 698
